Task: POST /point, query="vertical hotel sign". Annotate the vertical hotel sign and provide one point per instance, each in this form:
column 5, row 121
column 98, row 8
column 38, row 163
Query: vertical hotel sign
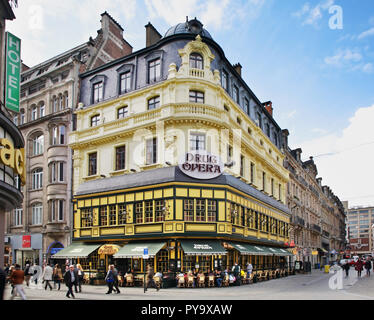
column 13, row 72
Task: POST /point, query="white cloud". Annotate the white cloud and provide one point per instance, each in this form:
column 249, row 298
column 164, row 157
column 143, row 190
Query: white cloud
column 344, row 58
column 344, row 160
column 368, row 68
column 311, row 15
column 366, row 33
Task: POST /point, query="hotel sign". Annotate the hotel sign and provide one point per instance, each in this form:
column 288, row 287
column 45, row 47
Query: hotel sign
column 13, row 72
column 201, row 164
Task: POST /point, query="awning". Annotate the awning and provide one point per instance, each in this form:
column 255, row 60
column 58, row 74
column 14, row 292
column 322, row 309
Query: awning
column 202, row 247
column 76, row 250
column 243, row 248
column 322, row 250
column 136, row 250
column 280, row 252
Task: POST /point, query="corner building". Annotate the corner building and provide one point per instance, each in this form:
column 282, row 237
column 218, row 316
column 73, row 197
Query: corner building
column 138, row 117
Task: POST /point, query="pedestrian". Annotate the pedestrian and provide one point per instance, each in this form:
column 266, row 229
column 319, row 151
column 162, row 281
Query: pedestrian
column 368, row 267
column 57, row 276
column 151, row 281
column 17, row 277
column 8, row 279
column 359, row 267
column 27, row 274
column 236, row 271
column 346, row 267
column 70, row 278
column 35, row 273
column 2, row 283
column 249, row 269
column 116, row 282
column 109, row 278
column 80, row 277
column 47, row 276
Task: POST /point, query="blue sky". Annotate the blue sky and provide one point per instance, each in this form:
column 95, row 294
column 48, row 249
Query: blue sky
column 320, row 80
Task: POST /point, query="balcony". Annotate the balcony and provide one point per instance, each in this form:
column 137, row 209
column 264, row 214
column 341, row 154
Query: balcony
column 298, row 221
column 316, row 227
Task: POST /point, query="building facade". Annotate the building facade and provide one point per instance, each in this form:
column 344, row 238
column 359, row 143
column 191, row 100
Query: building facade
column 173, row 153
column 41, row 226
column 318, row 217
column 12, row 165
column 360, row 230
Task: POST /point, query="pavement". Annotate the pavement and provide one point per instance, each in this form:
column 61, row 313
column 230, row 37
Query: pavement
column 312, row 286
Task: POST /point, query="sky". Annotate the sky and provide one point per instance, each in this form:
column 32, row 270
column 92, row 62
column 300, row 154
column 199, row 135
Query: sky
column 313, row 59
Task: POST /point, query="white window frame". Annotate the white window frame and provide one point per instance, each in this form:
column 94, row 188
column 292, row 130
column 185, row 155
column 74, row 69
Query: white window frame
column 37, row 179
column 18, row 217
column 37, row 214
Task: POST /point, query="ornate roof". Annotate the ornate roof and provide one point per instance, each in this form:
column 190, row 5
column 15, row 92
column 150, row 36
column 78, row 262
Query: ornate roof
column 191, row 27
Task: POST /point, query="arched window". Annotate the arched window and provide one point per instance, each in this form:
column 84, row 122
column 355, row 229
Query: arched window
column 95, row 120
column 42, row 109
column 196, row 61
column 37, row 145
column 34, row 113
column 154, row 103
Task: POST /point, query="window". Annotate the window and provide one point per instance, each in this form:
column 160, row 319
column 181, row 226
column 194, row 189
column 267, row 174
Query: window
column 263, row 181
column 86, row 218
column 188, row 209
column 196, row 96
column 163, row 261
column 246, row 106
column 229, row 153
column 22, row 117
column 56, row 172
column 15, row 120
column 37, row 214
column 55, row 104
column 267, row 130
column 196, row 61
column 17, row 217
column 112, row 215
column 154, row 70
column 151, row 151
column 38, row 145
column 121, row 214
column 225, row 80
column 95, row 120
column 197, row 141
column 42, row 110
column 66, row 100
column 212, row 210
column 252, row 173
column 58, row 135
column 280, row 191
column 61, row 102
column 200, row 210
column 92, row 164
column 57, row 210
column 235, row 94
column 154, row 103
column 258, row 119
column 159, row 210
column 120, row 158
column 125, row 82
column 98, row 90
column 122, row 112
column 272, row 186
column 139, row 212
column 242, row 160
column 148, row 211
column 34, row 113
column 103, row 216
column 37, row 179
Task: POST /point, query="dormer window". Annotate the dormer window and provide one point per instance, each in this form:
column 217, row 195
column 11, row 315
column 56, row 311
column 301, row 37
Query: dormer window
column 154, row 70
column 125, row 82
column 98, row 90
column 196, row 61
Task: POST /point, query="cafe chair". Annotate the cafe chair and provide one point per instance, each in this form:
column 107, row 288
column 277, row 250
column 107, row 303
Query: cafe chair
column 157, row 282
column 201, row 282
column 130, row 280
column 120, row 280
column 226, row 281
column 181, row 282
column 190, row 281
column 211, row 281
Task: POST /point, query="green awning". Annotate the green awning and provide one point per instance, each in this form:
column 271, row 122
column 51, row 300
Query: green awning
column 202, row 247
column 76, row 250
column 280, row 252
column 136, row 250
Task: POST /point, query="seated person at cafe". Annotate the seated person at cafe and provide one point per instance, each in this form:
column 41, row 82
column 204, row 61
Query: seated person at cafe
column 219, row 278
column 179, row 275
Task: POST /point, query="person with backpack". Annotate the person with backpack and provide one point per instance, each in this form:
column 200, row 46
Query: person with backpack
column 359, row 267
column 109, row 278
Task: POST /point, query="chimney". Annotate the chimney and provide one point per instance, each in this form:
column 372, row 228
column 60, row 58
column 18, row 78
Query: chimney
column 269, row 107
column 319, row 181
column 151, row 34
column 238, row 68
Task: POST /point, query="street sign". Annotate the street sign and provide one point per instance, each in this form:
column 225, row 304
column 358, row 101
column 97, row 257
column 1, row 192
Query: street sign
column 145, row 253
column 13, row 72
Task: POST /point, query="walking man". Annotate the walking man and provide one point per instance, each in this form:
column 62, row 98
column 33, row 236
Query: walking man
column 115, row 283
column 346, row 267
column 359, row 267
column 47, row 276
column 17, row 277
column 368, row 267
column 150, row 281
column 70, row 278
column 27, row 274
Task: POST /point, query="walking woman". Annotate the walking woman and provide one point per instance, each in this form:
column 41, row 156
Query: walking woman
column 27, row 275
column 359, row 267
column 368, row 267
column 80, row 276
column 110, row 279
column 57, row 276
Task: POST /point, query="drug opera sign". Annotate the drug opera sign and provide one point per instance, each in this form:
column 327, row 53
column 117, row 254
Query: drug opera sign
column 201, row 165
